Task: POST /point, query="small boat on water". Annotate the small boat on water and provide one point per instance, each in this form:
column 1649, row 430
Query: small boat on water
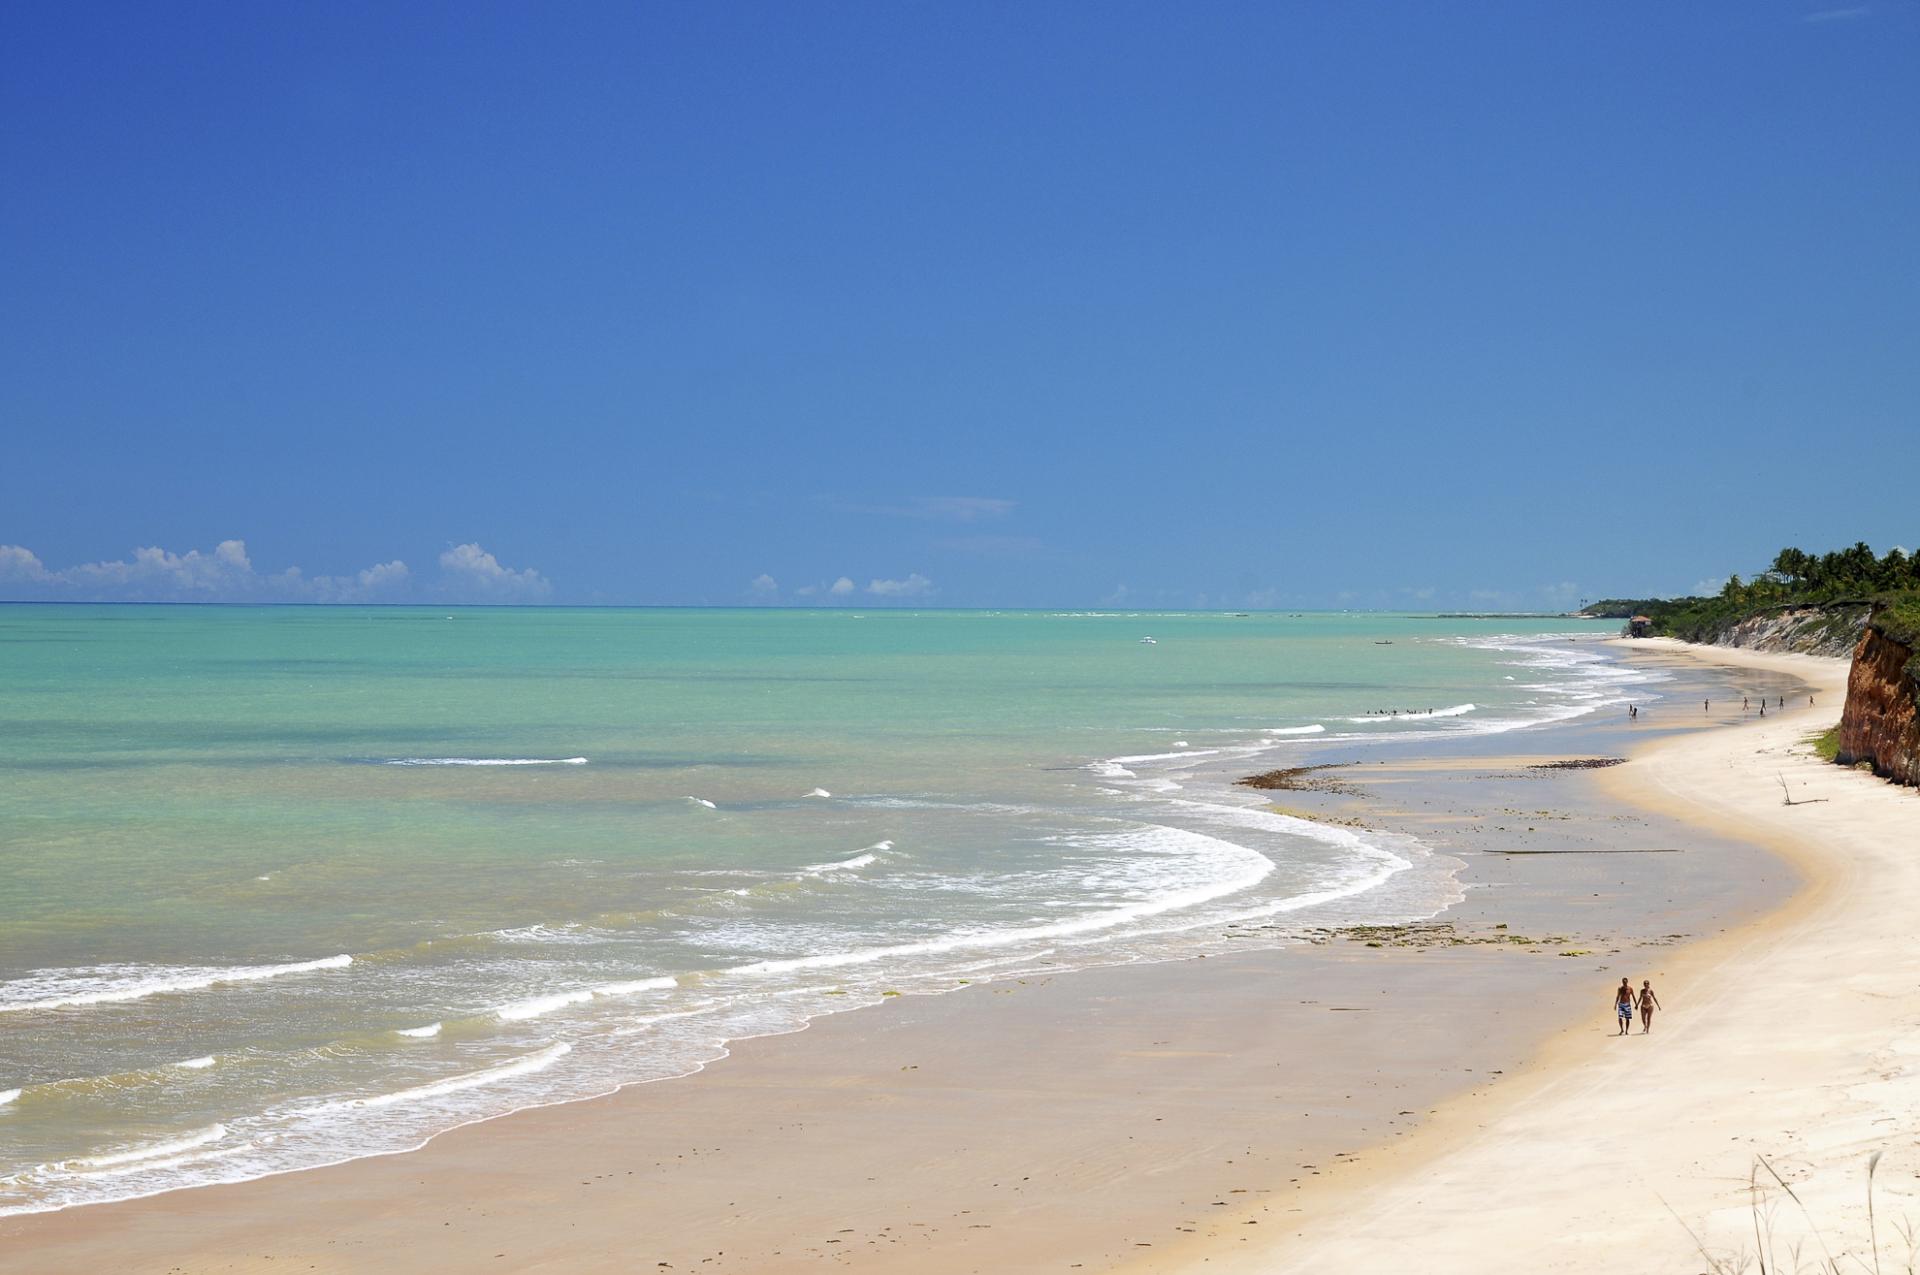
column 1147, row 641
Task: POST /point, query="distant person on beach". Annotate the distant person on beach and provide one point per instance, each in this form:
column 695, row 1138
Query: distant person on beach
column 1623, row 1006
column 1648, row 1003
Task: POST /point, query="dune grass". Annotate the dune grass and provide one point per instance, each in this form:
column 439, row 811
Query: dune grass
column 1826, row 744
column 1814, row 1254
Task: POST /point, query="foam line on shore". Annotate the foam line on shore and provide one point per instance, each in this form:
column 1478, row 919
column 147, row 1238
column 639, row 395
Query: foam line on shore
column 198, row 1138
column 531, row 1063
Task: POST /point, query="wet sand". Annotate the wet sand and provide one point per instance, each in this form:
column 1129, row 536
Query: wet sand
column 1159, row 1114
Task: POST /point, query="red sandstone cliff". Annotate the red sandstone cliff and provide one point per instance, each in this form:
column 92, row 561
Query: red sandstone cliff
column 1881, row 723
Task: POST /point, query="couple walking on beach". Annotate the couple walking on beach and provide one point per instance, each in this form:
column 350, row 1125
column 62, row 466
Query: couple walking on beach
column 1626, row 1000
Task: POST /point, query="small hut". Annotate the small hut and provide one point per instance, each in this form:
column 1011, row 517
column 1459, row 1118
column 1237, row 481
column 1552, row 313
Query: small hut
column 1640, row 626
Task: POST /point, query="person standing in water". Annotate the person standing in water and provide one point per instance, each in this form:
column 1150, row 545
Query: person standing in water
column 1648, row 1003
column 1623, row 1006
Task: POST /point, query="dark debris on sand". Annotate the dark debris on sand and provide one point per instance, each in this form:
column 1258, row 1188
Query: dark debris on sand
column 1301, row 779
column 1578, row 763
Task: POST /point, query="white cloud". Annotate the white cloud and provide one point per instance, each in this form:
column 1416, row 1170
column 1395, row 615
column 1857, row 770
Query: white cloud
column 1838, row 15
column 764, row 587
column 18, row 564
column 153, row 571
column 914, row 586
column 224, row 574
column 384, row 575
column 842, row 587
column 469, row 573
column 382, row 582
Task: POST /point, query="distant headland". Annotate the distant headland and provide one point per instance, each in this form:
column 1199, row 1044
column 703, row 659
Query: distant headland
column 1846, row 602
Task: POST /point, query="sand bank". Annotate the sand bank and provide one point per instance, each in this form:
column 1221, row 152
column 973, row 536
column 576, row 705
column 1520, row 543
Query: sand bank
column 1796, row 1038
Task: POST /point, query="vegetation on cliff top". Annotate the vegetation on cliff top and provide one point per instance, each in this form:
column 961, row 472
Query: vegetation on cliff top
column 1847, row 580
column 1900, row 620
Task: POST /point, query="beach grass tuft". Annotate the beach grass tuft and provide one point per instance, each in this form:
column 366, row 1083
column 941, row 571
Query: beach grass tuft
column 1770, row 1256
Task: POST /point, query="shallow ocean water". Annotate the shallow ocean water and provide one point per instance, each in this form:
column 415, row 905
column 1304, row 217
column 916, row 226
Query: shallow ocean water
column 288, row 885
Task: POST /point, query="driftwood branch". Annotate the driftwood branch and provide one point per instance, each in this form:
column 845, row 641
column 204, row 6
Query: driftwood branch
column 1786, row 793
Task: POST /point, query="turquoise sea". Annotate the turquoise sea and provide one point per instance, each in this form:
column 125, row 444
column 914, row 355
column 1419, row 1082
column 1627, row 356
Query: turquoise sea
column 283, row 886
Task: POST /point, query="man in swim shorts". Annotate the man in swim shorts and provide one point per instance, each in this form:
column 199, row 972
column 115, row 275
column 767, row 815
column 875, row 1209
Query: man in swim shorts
column 1623, row 1006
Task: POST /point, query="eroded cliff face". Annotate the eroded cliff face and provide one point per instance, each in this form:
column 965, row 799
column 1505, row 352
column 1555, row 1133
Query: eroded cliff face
column 1881, row 722
column 1832, row 630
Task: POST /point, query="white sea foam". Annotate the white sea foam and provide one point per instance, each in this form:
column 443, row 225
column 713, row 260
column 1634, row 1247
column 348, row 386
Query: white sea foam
column 485, row 761
column 1314, row 729
column 170, row 1162
column 524, row 1066
column 196, row 1064
column 419, row 1033
column 540, row 1006
column 702, row 801
column 104, row 984
column 819, row 792
column 153, row 1151
column 1243, row 868
column 8, row 1095
column 1457, row 710
column 858, row 861
column 636, row 985
column 864, row 858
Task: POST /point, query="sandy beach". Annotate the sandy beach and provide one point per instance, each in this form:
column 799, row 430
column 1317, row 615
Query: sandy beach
column 1793, row 1038
column 1358, row 1102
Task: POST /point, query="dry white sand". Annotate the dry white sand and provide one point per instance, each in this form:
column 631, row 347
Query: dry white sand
column 1796, row 1038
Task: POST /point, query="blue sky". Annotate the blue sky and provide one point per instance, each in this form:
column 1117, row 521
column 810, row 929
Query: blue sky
column 1404, row 305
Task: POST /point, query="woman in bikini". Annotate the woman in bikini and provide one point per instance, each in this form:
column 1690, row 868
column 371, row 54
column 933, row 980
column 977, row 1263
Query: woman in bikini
column 1623, row 1006
column 1648, row 1003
